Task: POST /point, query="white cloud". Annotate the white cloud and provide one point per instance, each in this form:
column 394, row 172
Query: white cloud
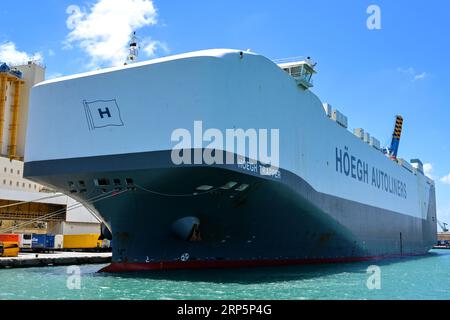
column 150, row 47
column 446, row 179
column 12, row 56
column 103, row 30
column 421, row 76
column 428, row 169
column 413, row 74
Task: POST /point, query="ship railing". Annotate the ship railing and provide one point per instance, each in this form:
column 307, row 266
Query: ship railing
column 289, row 60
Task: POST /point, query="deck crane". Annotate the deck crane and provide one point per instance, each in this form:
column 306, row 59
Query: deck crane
column 395, row 142
column 443, row 226
column 133, row 50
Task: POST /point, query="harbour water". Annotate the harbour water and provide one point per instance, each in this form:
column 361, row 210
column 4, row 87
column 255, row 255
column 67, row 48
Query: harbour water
column 425, row 277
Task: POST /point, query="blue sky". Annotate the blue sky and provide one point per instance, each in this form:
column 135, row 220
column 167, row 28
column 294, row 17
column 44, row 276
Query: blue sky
column 370, row 75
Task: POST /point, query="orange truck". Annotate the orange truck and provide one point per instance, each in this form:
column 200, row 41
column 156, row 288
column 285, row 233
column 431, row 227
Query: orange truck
column 9, row 249
column 9, row 245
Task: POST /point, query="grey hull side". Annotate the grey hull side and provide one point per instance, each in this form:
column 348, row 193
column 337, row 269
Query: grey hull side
column 272, row 220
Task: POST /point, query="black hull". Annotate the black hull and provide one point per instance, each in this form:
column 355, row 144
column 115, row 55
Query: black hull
column 273, row 221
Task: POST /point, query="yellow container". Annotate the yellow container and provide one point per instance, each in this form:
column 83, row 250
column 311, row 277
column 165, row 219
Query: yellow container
column 9, row 249
column 80, row 241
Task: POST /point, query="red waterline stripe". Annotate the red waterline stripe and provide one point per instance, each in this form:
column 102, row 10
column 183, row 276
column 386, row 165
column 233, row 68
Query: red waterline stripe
column 117, row 267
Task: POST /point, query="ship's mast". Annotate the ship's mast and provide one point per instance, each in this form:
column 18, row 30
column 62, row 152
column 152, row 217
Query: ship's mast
column 133, row 50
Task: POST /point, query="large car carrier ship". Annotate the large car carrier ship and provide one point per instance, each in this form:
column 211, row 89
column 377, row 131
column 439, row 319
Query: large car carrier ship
column 106, row 139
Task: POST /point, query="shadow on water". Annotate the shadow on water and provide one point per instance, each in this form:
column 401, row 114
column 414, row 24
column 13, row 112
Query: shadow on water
column 269, row 274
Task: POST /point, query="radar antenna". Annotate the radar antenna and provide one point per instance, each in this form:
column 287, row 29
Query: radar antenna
column 133, row 50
